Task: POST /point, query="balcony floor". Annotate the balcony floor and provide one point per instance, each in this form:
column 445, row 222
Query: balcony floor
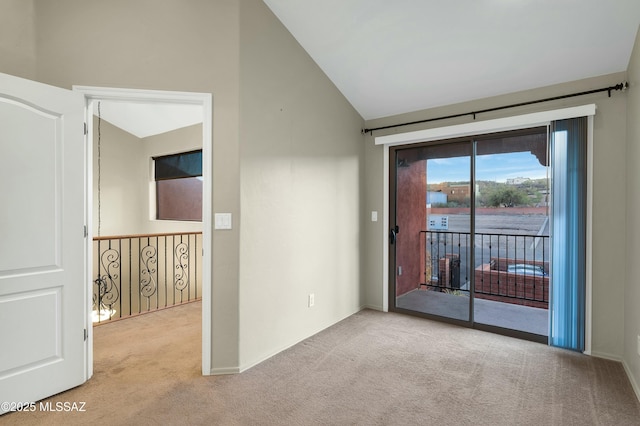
column 489, row 312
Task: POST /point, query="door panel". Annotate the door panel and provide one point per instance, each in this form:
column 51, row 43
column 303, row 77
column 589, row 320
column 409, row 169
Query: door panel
column 432, row 252
column 43, row 314
column 29, row 169
column 511, row 274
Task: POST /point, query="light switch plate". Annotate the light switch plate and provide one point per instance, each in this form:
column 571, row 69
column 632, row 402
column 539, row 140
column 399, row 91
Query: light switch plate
column 222, row 221
column 374, row 216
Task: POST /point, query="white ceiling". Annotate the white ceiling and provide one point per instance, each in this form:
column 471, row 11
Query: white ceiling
column 391, row 57
column 148, row 119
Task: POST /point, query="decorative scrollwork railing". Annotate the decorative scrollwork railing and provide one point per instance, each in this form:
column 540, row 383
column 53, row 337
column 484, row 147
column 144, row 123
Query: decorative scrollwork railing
column 181, row 278
column 141, row 273
column 148, row 259
column 106, row 293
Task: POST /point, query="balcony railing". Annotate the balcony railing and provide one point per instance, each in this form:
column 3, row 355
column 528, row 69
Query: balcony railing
column 134, row 274
column 508, row 268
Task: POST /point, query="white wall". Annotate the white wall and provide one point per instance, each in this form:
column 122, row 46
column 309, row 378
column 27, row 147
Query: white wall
column 609, row 195
column 632, row 284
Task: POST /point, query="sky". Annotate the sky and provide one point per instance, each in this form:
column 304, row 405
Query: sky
column 494, row 167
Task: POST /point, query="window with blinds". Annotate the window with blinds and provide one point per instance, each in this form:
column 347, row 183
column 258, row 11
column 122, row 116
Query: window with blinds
column 178, row 180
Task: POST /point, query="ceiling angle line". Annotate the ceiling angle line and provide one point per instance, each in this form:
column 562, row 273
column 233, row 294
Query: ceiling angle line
column 620, row 86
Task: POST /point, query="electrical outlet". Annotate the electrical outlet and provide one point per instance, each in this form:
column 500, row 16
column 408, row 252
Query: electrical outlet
column 312, row 299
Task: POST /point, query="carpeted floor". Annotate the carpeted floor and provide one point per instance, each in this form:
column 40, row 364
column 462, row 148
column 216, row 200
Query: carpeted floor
column 370, row 369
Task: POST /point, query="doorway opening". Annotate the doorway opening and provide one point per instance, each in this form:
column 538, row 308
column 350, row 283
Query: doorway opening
column 138, row 262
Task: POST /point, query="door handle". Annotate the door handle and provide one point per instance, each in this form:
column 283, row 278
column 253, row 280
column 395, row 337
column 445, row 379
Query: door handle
column 393, row 234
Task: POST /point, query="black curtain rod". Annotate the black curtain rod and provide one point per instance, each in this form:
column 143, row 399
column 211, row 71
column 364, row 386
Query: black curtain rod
column 619, row 86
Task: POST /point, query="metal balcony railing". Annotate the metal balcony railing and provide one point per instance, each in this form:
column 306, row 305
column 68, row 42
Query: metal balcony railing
column 507, row 268
column 134, row 274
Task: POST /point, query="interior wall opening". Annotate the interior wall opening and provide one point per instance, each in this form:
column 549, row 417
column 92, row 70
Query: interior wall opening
column 140, row 263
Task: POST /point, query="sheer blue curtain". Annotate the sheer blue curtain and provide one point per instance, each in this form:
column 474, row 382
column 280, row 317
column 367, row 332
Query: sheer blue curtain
column 568, row 233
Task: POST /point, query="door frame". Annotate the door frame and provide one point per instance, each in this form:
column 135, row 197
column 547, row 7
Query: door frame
column 543, row 118
column 93, row 94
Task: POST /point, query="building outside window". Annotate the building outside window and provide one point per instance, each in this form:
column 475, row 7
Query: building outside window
column 178, row 180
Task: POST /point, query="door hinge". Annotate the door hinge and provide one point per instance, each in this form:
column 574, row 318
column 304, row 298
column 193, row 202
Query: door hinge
column 86, row 129
column 86, row 334
column 86, row 232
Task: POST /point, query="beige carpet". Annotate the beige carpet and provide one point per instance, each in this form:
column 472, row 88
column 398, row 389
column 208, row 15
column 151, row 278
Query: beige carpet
column 370, row 369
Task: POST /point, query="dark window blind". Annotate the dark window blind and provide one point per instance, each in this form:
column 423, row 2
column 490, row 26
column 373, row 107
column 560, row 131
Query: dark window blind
column 177, row 166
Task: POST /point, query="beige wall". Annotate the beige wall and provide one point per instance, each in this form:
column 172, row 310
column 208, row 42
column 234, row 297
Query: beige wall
column 609, row 172
column 183, row 45
column 632, row 287
column 176, row 141
column 301, row 141
column 308, row 186
column 125, row 181
column 17, row 38
column 301, row 155
column 122, row 192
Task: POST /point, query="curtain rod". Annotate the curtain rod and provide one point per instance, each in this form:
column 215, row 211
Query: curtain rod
column 619, row 86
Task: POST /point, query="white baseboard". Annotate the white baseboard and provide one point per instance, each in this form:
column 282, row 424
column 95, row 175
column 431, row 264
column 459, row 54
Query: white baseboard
column 247, row 366
column 632, row 379
column 627, row 370
column 605, row 355
column 224, row 370
column 374, row 307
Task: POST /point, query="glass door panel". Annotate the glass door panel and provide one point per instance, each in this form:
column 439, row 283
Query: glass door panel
column 512, row 254
column 431, row 230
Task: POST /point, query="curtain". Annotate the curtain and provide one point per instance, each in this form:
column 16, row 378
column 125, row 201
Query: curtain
column 568, row 154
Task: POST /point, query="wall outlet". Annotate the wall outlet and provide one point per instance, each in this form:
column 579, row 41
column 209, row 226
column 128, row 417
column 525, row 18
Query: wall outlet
column 312, row 299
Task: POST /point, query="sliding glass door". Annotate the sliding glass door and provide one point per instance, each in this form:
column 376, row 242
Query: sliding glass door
column 470, row 231
column 431, row 240
column 511, row 276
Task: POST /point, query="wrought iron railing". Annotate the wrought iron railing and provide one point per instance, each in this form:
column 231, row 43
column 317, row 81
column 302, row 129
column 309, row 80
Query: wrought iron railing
column 507, row 268
column 134, row 274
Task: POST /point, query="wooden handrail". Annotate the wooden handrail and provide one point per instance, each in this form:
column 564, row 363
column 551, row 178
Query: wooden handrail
column 132, row 236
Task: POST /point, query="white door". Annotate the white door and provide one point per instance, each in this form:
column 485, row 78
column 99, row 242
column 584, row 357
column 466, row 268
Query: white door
column 43, row 299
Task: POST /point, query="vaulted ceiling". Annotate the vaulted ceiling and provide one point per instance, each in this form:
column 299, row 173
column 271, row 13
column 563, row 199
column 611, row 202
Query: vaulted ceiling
column 391, row 57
